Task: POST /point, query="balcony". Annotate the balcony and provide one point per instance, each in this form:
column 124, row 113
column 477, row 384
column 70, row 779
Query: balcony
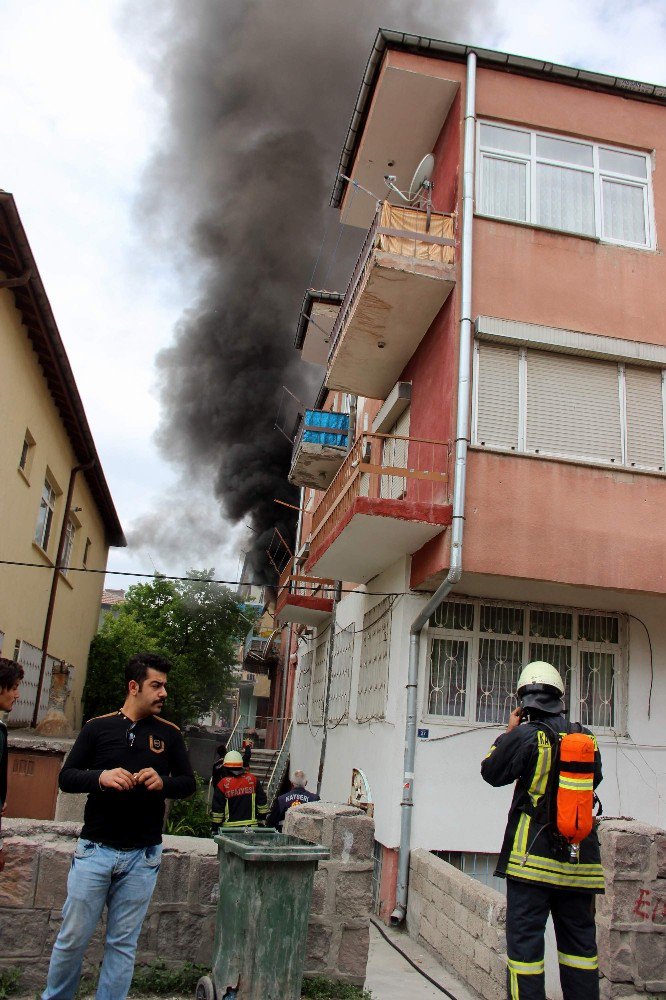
column 390, row 496
column 306, row 600
column 402, row 278
column 320, row 449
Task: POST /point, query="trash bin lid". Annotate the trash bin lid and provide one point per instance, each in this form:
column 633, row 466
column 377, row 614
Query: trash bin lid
column 269, row 845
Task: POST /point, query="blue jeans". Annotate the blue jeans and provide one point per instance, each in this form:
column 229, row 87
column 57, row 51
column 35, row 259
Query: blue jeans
column 125, row 881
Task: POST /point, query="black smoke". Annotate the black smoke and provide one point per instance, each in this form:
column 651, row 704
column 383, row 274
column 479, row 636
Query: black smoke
column 258, row 95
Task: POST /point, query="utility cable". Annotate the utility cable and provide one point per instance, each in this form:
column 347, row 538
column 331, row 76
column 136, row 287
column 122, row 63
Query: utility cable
column 410, row 961
column 641, row 622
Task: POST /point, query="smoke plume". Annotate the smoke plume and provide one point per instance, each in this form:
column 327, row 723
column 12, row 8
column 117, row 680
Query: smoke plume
column 258, row 96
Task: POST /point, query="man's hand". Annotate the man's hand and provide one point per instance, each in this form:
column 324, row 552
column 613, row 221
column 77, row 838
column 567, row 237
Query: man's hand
column 149, row 777
column 514, row 719
column 117, row 778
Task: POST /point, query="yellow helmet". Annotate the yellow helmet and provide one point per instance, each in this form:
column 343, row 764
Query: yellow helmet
column 232, row 759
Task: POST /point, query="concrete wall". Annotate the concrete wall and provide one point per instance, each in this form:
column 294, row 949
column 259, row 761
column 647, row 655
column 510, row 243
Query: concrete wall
column 24, row 593
column 180, row 923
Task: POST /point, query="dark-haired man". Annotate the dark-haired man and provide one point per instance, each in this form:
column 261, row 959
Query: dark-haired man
column 10, row 677
column 128, row 762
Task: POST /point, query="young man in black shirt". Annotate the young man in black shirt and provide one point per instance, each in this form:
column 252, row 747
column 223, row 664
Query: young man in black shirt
column 128, row 762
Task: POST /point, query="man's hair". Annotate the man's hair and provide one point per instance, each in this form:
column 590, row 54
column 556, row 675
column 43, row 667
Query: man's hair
column 138, row 667
column 10, row 673
column 298, row 779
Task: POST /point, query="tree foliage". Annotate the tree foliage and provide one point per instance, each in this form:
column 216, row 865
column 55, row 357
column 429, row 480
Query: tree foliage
column 194, row 623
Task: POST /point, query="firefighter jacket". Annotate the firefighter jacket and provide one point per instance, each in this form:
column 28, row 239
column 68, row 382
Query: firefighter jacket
column 530, row 851
column 238, row 799
column 296, row 797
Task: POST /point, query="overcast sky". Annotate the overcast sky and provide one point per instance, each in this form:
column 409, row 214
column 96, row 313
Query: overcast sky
column 80, row 120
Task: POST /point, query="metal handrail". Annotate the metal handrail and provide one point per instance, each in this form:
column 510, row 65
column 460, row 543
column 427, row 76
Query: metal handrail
column 235, row 738
column 372, row 239
column 279, row 768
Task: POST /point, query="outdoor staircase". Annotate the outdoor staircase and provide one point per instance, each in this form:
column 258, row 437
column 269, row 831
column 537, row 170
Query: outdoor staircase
column 261, row 764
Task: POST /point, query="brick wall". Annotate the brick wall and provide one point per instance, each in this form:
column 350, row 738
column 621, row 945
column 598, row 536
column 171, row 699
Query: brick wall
column 461, row 920
column 339, row 932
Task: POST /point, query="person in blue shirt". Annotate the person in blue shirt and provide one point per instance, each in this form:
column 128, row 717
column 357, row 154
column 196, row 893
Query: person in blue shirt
column 297, row 796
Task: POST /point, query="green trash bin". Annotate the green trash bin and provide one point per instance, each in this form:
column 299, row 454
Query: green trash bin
column 262, row 915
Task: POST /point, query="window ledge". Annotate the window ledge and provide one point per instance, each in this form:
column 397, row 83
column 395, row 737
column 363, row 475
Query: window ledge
column 45, row 557
column 601, row 466
column 23, row 475
column 565, row 232
column 65, row 579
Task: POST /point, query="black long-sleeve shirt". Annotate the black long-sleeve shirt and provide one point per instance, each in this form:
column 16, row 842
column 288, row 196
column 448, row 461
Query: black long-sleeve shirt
column 133, row 818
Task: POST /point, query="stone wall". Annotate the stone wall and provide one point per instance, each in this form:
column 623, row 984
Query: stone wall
column 461, row 921
column 631, row 917
column 339, row 932
column 181, row 920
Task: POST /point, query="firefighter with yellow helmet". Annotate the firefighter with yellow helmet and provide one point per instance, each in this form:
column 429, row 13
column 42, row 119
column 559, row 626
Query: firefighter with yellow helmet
column 550, row 854
column 238, row 797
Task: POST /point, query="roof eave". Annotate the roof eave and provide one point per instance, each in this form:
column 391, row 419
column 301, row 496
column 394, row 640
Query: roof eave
column 458, row 52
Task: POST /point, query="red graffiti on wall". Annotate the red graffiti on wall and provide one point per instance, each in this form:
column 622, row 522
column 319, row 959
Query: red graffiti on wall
column 646, row 909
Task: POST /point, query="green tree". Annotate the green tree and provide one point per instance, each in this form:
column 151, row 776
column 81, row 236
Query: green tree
column 195, row 623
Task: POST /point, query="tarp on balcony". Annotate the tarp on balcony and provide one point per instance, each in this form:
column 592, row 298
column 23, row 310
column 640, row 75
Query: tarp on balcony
column 414, row 220
column 329, row 424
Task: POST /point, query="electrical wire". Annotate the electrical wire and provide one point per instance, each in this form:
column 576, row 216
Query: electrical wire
column 647, row 632
column 410, row 961
column 193, row 579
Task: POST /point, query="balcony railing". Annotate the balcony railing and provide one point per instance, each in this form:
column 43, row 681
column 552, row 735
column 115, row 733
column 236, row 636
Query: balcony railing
column 386, row 467
column 404, row 232
column 302, row 586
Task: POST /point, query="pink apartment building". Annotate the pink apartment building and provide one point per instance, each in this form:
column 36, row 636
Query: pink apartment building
column 500, row 356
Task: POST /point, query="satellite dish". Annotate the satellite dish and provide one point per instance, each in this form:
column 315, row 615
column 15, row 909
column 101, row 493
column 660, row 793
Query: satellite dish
column 421, row 177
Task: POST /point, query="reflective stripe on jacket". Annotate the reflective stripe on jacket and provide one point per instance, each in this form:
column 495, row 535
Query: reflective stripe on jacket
column 238, row 800
column 526, row 755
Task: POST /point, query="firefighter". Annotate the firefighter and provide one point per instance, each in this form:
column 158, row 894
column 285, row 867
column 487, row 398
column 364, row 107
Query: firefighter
column 544, row 875
column 295, row 797
column 238, row 797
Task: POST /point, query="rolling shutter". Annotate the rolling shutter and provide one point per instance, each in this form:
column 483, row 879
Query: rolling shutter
column 645, row 418
column 573, row 407
column 497, row 396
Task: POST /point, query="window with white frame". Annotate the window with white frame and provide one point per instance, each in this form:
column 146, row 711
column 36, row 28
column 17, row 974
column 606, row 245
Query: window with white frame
column 569, row 406
column 45, row 515
column 70, row 532
column 562, row 183
column 374, row 668
column 477, row 649
column 341, row 673
column 303, row 687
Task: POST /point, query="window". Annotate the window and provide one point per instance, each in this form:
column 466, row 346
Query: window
column 478, row 648
column 569, row 406
column 27, row 450
column 86, row 553
column 318, row 687
column 564, row 183
column 303, row 687
column 70, row 532
column 45, row 516
column 373, row 672
column 341, row 672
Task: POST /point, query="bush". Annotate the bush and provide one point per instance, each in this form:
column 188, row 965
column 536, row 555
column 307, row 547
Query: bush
column 9, row 980
column 158, row 978
column 320, row 988
column 190, row 817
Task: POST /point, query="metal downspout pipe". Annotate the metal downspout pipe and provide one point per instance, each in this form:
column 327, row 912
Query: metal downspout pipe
column 460, row 471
